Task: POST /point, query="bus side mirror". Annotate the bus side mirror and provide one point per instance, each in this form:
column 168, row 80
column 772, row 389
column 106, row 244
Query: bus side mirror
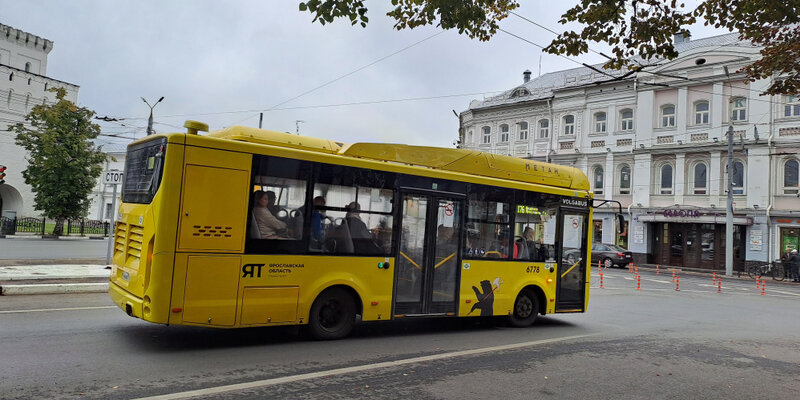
column 620, row 223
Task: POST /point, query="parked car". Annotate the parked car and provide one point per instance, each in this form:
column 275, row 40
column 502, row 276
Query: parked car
column 610, row 255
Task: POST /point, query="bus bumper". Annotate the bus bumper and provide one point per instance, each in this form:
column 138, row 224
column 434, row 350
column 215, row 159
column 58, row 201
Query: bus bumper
column 129, row 303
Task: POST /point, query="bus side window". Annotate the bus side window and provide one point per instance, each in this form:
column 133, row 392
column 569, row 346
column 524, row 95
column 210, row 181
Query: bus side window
column 277, row 205
column 355, row 212
column 488, row 224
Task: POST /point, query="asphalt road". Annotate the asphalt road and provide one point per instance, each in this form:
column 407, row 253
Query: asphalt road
column 653, row 343
column 53, row 249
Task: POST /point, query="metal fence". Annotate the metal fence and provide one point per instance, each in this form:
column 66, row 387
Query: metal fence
column 82, row 227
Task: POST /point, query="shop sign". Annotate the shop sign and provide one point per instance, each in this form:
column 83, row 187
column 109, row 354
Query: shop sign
column 682, row 213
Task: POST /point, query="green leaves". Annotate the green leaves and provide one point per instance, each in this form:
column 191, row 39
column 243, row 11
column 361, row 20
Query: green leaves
column 645, row 28
column 63, row 162
column 475, row 18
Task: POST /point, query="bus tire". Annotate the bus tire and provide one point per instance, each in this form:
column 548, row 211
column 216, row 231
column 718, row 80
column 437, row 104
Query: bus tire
column 526, row 309
column 333, row 315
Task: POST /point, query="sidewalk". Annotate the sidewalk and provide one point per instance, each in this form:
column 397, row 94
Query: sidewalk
column 53, row 279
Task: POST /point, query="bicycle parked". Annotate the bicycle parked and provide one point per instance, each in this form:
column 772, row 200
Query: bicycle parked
column 774, row 269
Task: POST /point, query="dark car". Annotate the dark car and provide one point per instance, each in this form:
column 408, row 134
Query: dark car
column 610, row 255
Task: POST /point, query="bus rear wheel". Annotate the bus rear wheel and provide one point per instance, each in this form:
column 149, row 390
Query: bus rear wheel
column 332, row 315
column 526, row 309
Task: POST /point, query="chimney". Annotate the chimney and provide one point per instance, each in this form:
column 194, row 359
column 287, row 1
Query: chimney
column 681, row 37
column 526, row 76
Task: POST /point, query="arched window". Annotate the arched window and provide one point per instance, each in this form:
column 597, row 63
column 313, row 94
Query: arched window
column 544, row 128
column 504, row 133
column 791, row 107
column 700, row 181
column 625, row 179
column 569, row 125
column 27, row 67
column 791, row 177
column 739, row 109
column 701, row 112
column 11, row 76
column 626, row 119
column 487, row 134
column 666, row 179
column 598, row 180
column 27, row 101
column 737, row 180
column 668, row 116
column 600, row 122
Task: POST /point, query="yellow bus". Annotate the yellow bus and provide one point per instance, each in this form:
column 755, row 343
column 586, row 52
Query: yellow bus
column 245, row 227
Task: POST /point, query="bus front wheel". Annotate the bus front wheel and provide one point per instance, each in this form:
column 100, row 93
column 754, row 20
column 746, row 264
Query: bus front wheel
column 332, row 315
column 526, row 309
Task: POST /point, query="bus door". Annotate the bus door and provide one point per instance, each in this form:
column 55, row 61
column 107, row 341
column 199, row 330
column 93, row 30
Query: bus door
column 571, row 286
column 427, row 260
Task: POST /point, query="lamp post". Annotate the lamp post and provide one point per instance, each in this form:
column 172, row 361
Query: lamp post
column 150, row 120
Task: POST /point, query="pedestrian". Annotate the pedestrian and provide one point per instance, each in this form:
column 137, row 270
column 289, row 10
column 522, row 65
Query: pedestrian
column 787, row 267
column 794, row 261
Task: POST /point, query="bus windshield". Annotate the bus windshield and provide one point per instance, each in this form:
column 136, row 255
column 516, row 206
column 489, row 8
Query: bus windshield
column 143, row 167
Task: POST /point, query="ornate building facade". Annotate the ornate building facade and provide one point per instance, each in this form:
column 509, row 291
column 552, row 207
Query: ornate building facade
column 23, row 84
column 656, row 141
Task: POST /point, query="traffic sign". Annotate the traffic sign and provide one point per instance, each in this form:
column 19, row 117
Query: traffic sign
column 113, row 177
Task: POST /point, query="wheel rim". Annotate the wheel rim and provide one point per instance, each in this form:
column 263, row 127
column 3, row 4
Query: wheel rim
column 524, row 307
column 608, row 263
column 331, row 315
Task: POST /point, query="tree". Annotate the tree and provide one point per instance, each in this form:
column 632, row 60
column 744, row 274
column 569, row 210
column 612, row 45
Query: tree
column 63, row 162
column 630, row 27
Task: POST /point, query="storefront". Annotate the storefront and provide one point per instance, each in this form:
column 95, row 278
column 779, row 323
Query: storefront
column 694, row 238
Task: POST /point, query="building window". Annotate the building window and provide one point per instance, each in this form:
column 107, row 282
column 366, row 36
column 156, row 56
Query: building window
column 739, row 109
column 487, row 135
column 700, row 179
column 523, row 131
column 701, row 113
column 109, row 211
column 666, row 179
column 625, row 180
column 544, row 128
column 503, row 133
column 569, row 125
column 598, row 180
column 792, row 107
column 27, row 67
column 791, row 172
column 626, row 117
column 668, row 116
column 469, row 137
column 600, row 122
column 738, row 177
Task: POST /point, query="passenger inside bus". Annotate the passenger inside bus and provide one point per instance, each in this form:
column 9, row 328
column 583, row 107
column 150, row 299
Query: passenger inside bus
column 269, row 227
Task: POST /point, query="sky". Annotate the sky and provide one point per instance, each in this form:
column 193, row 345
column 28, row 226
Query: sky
column 224, row 63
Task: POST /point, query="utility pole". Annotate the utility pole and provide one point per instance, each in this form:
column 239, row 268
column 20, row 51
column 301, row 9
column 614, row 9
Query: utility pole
column 150, row 120
column 297, row 125
column 729, row 213
column 260, row 119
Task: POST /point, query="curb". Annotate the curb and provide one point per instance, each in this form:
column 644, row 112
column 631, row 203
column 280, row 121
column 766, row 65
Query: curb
column 53, row 288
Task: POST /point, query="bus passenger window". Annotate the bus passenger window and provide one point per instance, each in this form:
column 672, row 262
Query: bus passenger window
column 488, row 227
column 353, row 220
column 277, row 205
column 534, row 231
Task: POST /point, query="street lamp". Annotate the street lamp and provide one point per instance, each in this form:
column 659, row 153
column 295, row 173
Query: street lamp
column 150, row 120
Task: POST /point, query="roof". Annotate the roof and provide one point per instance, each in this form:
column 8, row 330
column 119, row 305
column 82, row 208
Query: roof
column 544, row 86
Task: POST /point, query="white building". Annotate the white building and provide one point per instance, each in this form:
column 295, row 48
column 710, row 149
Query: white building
column 23, row 84
column 102, row 194
column 656, row 141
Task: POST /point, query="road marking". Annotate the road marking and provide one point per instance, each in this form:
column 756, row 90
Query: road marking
column 348, row 370
column 56, row 309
